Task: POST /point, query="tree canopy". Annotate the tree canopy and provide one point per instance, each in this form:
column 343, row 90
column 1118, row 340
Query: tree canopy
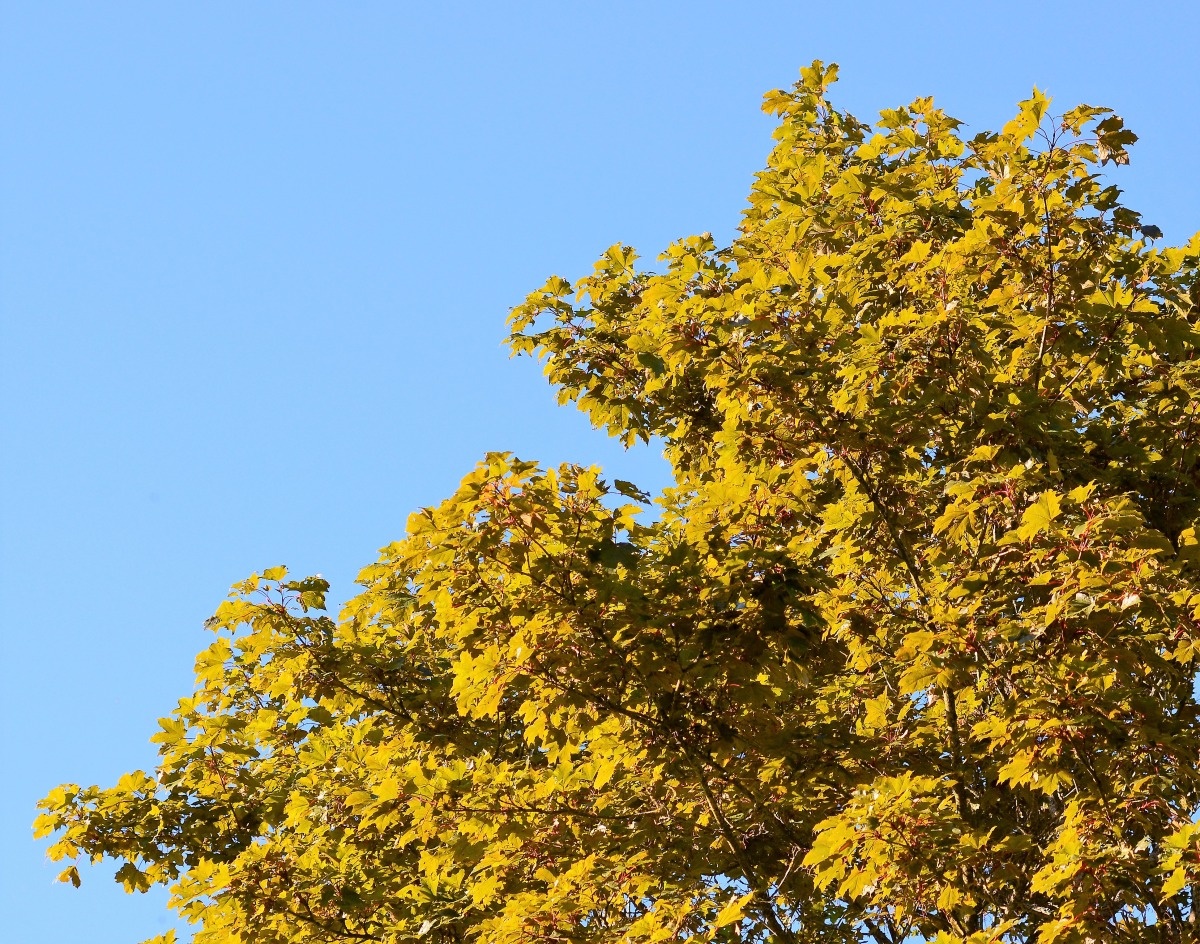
column 907, row 650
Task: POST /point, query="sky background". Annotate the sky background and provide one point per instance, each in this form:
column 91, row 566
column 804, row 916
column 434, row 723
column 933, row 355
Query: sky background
column 256, row 258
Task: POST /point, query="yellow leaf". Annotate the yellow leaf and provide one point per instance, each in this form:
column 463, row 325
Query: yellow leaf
column 949, row 897
column 1173, row 885
column 733, row 911
column 918, row 253
column 1040, row 515
column 388, row 790
column 604, row 772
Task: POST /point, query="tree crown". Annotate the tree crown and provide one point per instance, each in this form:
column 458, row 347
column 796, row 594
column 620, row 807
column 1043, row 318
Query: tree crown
column 907, row 649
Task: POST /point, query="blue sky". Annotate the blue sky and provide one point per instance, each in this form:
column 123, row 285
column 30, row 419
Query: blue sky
column 255, row 261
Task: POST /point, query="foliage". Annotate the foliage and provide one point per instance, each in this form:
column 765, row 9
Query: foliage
column 907, row 650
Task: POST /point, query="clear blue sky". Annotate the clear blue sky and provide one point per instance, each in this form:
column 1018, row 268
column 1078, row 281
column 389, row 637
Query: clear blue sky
column 255, row 264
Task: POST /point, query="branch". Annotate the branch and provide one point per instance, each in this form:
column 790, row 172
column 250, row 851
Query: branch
column 739, row 852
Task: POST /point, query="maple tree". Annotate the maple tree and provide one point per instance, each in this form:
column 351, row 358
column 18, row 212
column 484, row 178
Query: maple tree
column 907, row 650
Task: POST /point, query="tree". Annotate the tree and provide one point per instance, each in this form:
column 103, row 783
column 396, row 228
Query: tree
column 907, row 650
